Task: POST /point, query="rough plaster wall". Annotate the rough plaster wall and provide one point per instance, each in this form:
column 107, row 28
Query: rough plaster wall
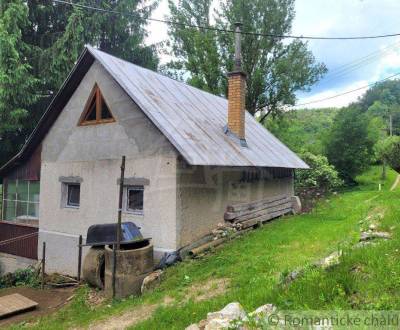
column 204, row 193
column 94, row 154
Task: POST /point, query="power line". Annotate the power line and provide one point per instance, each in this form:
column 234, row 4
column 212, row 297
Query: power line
column 356, row 64
column 274, row 36
column 348, row 92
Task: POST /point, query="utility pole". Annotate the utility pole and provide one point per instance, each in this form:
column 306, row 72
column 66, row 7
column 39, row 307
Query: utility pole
column 390, row 125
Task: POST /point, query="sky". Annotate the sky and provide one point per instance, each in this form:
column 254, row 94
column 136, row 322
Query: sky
column 351, row 63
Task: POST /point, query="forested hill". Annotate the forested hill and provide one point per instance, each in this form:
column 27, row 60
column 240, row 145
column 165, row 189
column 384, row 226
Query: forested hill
column 305, row 129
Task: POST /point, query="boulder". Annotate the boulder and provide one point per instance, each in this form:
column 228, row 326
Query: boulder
column 232, row 311
column 151, row 281
column 264, row 310
column 370, row 235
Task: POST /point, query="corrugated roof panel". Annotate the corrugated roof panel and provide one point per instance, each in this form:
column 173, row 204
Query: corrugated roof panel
column 193, row 120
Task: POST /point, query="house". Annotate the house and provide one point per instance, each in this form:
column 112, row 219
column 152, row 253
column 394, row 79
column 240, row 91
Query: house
column 188, row 155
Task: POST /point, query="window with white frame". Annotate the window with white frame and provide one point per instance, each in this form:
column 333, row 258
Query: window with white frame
column 21, row 199
column 134, row 199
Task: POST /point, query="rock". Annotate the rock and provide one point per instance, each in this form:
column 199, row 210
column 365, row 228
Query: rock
column 193, row 327
column 232, row 311
column 369, row 235
column 263, row 311
column 372, row 226
column 331, row 260
column 151, row 281
column 293, row 276
column 217, row 324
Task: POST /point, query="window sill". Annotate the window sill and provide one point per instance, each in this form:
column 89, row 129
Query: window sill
column 70, row 207
column 139, row 213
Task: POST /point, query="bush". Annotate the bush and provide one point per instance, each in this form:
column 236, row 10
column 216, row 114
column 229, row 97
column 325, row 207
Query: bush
column 321, row 176
column 21, row 277
column 389, row 150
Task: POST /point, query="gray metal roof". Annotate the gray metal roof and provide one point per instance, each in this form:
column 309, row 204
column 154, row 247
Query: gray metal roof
column 193, row 120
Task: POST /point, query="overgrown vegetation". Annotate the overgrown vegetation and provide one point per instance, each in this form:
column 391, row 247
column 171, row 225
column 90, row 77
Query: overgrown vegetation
column 21, row 277
column 389, row 151
column 253, row 266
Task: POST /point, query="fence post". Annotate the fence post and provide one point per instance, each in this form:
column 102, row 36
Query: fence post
column 43, row 263
column 79, row 258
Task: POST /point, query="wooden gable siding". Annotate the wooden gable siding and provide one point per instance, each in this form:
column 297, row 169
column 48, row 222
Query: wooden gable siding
column 27, row 170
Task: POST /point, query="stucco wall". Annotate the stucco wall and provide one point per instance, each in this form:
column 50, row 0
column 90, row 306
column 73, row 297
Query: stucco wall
column 204, row 193
column 93, row 153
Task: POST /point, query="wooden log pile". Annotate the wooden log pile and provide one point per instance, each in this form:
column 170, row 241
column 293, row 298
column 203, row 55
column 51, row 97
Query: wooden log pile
column 245, row 215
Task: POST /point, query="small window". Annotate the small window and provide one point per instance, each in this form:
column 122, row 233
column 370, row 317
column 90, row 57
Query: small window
column 134, row 199
column 73, row 195
column 96, row 110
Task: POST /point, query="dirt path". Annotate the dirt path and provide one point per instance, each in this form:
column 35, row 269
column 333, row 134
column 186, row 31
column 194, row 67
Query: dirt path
column 396, row 183
column 197, row 291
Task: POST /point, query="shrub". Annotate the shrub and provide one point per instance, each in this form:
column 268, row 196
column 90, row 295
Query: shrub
column 21, row 277
column 321, row 175
column 389, row 151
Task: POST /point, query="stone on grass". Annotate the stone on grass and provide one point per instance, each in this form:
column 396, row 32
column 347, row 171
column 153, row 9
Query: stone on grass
column 151, row 281
column 331, row 260
column 232, row 311
column 193, row 327
column 370, row 235
column 263, row 312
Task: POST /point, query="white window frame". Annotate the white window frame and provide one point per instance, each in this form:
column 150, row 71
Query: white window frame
column 16, row 201
column 126, row 200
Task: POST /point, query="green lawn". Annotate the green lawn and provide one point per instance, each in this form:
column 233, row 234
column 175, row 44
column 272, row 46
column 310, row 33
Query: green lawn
column 255, row 263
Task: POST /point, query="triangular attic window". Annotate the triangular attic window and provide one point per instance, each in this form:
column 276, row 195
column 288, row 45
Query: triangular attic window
column 96, row 110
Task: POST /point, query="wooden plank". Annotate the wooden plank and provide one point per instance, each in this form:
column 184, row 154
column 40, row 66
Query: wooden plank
column 15, row 303
column 264, row 212
column 264, row 218
column 253, row 205
column 233, row 215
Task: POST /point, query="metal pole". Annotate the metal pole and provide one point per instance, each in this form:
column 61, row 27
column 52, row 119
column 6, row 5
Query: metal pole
column 117, row 246
column 79, row 258
column 43, row 263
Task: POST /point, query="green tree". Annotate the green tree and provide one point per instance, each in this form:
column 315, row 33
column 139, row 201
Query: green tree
column 389, row 151
column 276, row 69
column 42, row 39
column 16, row 80
column 350, row 146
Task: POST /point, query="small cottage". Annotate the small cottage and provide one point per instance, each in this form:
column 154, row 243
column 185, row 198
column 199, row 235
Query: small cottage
column 188, row 155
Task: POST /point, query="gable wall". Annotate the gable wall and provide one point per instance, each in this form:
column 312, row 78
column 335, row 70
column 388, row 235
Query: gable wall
column 94, row 153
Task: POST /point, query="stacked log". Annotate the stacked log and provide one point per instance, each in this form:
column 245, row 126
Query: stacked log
column 250, row 214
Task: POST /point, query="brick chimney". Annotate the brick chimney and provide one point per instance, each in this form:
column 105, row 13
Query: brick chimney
column 237, row 93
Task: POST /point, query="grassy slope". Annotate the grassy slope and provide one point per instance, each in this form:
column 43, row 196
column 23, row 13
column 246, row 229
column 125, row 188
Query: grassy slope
column 255, row 263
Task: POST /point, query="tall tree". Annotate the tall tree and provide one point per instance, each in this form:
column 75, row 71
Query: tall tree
column 17, row 82
column 276, row 69
column 350, row 144
column 43, row 39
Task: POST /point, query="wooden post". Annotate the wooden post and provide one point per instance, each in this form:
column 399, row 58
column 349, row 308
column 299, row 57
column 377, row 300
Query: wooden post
column 121, row 192
column 79, row 259
column 43, row 263
column 117, row 246
column 114, row 269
